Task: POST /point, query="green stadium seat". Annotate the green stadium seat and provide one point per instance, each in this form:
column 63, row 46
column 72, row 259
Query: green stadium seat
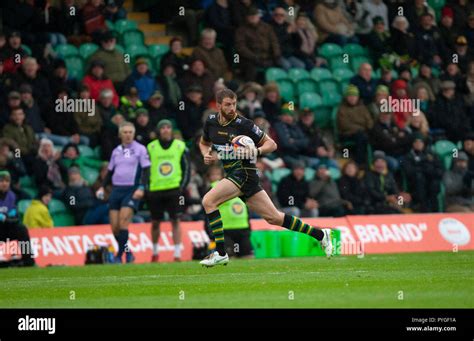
column 86, row 151
column 75, row 67
column 110, row 25
column 22, row 206
column 331, row 98
column 445, row 149
column 324, row 114
column 306, row 85
column 342, row 75
column 132, row 37
column 354, row 50
column 56, row 206
column 98, row 152
column 329, row 85
column 27, row 181
column 358, row 61
column 89, row 174
column 329, row 50
column 273, row 74
column 156, row 50
column 310, row 100
column 27, row 49
column 66, row 50
column 339, row 63
column 441, row 198
column 136, row 51
column 296, row 74
column 31, row 191
column 119, row 48
column 320, row 74
column 87, row 49
column 334, row 173
column 123, row 25
column 278, row 174
column 63, row 219
column 309, row 174
column 287, row 90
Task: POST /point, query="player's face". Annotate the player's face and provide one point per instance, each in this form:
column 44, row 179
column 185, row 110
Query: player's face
column 228, row 107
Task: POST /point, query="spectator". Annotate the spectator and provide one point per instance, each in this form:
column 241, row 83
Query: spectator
column 191, row 117
column 10, row 226
column 257, row 45
column 291, row 139
column 98, row 213
column 13, row 102
column 422, row 91
column 399, row 94
column 389, row 138
column 374, row 9
column 305, row 38
column 48, row 171
column 468, row 148
column 71, row 156
column 142, row 79
column 144, row 130
column 175, row 57
column 171, row 90
column 324, row 190
column 37, row 214
column 13, row 53
column 417, row 123
column 429, row 45
column 265, row 182
column 466, row 89
column 212, row 56
column 462, row 13
column 61, row 80
column 451, row 72
column 459, row 186
column 464, row 53
column 403, row 40
column 89, row 123
column 354, row 123
column 105, row 107
column 332, row 24
column 378, row 40
column 380, row 99
column 115, row 67
column 446, row 29
column 9, row 161
column 423, row 172
column 110, row 137
column 425, row 75
column 448, row 113
column 318, row 151
column 250, row 99
column 31, row 109
column 415, row 12
column 156, row 109
column 353, row 191
column 355, row 13
column 62, row 124
column 198, row 75
column 218, row 16
column 271, row 104
column 284, row 33
column 92, row 16
column 365, row 83
column 385, row 198
column 293, row 194
column 29, row 74
column 22, row 133
column 114, row 10
column 469, row 30
column 96, row 80
column 77, row 195
column 130, row 103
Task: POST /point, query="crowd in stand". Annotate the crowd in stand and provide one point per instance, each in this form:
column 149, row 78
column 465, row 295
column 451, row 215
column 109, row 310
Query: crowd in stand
column 386, row 158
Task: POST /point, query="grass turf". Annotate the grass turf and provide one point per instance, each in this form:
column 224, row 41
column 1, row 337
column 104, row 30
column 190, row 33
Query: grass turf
column 417, row 280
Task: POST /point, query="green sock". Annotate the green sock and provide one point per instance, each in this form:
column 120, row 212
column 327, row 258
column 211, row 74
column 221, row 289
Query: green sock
column 295, row 224
column 215, row 223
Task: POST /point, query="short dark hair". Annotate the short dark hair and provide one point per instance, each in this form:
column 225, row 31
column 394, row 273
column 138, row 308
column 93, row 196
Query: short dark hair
column 224, row 93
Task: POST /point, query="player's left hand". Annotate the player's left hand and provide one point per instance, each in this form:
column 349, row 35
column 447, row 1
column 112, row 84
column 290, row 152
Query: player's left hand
column 138, row 194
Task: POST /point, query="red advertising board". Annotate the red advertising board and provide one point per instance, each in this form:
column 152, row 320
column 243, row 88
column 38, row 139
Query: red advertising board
column 367, row 234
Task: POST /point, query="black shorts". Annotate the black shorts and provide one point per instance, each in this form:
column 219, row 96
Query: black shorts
column 237, row 242
column 160, row 202
column 247, row 180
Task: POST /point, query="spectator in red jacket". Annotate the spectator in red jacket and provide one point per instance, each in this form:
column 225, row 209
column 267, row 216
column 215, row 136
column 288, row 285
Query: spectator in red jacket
column 96, row 80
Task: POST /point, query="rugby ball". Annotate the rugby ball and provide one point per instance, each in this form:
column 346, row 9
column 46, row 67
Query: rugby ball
column 242, row 141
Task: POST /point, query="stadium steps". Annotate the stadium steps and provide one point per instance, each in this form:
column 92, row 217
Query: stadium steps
column 152, row 30
column 138, row 17
column 128, row 5
column 158, row 40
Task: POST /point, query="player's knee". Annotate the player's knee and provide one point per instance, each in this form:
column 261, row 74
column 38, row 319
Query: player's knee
column 208, row 203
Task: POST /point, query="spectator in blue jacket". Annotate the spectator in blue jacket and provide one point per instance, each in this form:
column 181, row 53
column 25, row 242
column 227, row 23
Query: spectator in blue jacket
column 142, row 79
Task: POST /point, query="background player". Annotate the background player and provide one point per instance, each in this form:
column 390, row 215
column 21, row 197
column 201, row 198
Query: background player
column 169, row 175
column 129, row 172
column 241, row 176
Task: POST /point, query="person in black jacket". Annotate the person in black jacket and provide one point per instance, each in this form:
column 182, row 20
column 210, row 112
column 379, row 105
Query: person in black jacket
column 293, row 194
column 423, row 171
column 352, row 190
column 385, row 197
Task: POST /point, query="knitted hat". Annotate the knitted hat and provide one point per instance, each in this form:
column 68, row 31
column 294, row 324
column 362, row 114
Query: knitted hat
column 382, row 89
column 351, row 90
column 164, row 122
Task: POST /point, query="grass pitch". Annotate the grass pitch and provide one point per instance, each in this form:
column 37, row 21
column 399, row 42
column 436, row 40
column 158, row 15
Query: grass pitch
column 418, row 280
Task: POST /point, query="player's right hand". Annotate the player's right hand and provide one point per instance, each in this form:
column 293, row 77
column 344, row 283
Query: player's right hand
column 100, row 193
column 210, row 157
